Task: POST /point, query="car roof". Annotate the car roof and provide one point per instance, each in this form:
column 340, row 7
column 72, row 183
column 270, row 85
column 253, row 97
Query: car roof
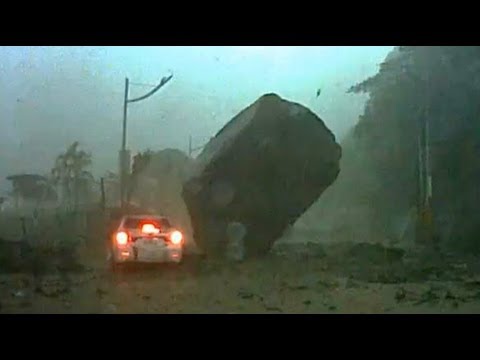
column 144, row 216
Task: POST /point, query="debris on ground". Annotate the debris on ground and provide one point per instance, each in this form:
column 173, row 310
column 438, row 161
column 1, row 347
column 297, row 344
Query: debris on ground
column 100, row 292
column 52, row 287
column 400, row 294
column 298, row 287
column 375, row 253
column 299, row 251
column 430, row 296
column 245, row 294
column 471, row 283
column 18, row 294
column 352, row 284
column 327, row 285
column 450, row 296
column 273, row 308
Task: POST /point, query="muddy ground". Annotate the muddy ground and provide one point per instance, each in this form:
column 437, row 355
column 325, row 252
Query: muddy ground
column 296, row 278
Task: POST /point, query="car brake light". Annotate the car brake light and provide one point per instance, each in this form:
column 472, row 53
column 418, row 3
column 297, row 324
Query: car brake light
column 121, row 238
column 149, row 229
column 176, row 237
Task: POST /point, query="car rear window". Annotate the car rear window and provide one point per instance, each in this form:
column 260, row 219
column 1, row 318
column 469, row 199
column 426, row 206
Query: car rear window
column 135, row 223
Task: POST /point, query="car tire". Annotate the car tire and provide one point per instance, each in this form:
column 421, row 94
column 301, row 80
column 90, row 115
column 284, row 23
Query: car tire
column 115, row 267
column 180, row 262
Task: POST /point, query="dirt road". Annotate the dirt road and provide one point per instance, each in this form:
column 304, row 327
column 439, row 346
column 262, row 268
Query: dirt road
column 277, row 284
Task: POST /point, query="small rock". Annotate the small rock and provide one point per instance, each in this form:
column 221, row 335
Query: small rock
column 100, row 292
column 461, row 266
column 273, row 308
column 18, row 294
column 245, row 295
column 429, row 296
column 326, row 284
column 450, row 296
column 24, row 282
column 352, row 284
column 400, row 294
column 299, row 287
column 472, row 283
column 52, row 287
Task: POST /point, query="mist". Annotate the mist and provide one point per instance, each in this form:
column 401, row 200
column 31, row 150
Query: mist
column 52, row 96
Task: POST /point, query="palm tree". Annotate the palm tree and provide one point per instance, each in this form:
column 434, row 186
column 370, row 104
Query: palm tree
column 31, row 187
column 71, row 174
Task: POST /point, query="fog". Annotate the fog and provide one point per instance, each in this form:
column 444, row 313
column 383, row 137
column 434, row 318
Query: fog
column 52, row 96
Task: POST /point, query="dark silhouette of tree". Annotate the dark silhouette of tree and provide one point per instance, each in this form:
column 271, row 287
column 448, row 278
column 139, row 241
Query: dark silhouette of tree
column 139, row 164
column 71, row 174
column 31, row 187
column 440, row 84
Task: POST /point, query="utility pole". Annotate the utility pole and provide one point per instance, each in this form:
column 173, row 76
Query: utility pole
column 124, row 158
column 192, row 149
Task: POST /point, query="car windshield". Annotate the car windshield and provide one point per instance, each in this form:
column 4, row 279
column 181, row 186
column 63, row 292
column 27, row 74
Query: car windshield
column 135, row 223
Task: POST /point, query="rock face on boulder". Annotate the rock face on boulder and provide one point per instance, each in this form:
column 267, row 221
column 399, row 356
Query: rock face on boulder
column 260, row 173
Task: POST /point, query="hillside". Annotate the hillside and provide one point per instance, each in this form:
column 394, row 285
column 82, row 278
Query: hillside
column 379, row 170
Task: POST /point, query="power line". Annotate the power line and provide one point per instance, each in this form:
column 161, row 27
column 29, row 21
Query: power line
column 146, row 85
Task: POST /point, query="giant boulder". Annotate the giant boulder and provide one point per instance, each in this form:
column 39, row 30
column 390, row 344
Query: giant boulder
column 258, row 175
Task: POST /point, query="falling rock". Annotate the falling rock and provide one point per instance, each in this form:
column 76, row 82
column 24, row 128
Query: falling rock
column 263, row 170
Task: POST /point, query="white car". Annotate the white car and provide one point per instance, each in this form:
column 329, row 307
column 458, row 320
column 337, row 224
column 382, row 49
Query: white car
column 145, row 239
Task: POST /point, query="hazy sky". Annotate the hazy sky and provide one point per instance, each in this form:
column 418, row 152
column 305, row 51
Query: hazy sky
column 52, row 96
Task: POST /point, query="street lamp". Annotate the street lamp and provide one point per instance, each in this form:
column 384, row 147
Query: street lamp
column 124, row 155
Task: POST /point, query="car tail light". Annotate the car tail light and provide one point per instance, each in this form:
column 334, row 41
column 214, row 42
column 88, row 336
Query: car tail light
column 121, row 238
column 150, row 229
column 176, row 237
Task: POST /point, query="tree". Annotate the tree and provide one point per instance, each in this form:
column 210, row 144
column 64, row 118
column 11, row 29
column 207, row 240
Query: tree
column 71, row 174
column 32, row 187
column 139, row 164
column 414, row 85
